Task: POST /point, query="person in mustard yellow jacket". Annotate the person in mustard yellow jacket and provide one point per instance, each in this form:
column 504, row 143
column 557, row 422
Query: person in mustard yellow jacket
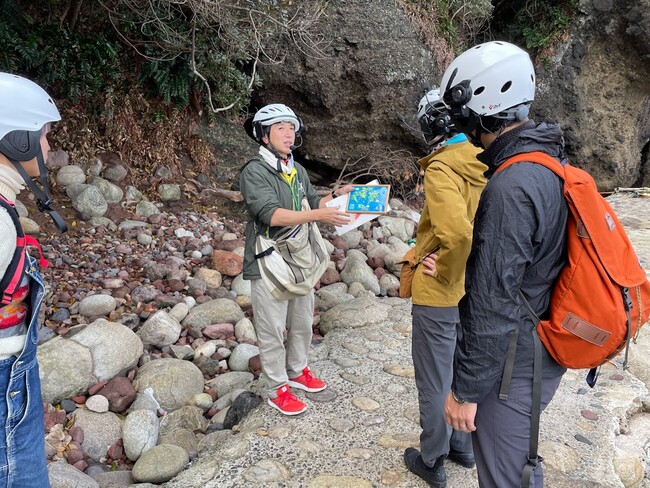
column 453, row 181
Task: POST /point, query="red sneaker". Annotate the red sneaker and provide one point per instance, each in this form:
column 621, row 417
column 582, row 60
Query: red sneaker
column 307, row 382
column 286, row 402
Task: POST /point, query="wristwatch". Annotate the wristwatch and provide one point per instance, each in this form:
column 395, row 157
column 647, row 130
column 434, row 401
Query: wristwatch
column 333, row 194
column 458, row 399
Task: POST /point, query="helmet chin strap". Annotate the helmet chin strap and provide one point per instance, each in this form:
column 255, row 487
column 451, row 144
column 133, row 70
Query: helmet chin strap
column 270, row 147
column 43, row 196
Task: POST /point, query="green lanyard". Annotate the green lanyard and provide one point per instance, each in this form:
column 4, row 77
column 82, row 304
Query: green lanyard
column 294, row 186
column 295, row 192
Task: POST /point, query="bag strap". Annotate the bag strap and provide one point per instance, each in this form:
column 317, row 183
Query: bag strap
column 14, row 272
column 533, row 458
column 535, row 412
column 537, row 157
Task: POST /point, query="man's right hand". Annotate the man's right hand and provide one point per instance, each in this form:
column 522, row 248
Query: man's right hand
column 333, row 216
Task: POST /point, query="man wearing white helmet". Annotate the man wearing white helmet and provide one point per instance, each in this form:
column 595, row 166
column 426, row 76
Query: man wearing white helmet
column 518, row 247
column 274, row 187
column 453, row 181
column 26, row 112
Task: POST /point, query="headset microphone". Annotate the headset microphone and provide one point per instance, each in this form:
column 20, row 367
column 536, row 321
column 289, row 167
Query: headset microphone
column 293, row 147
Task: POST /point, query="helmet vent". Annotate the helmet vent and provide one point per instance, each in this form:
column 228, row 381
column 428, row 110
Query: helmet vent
column 479, row 90
column 506, row 86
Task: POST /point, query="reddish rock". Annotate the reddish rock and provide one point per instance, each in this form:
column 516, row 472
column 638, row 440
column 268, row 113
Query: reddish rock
column 77, row 435
column 96, row 387
column 375, row 263
column 340, row 264
column 116, row 451
column 616, row 377
column 379, row 272
column 588, row 414
column 254, row 364
column 123, row 249
column 176, row 285
column 194, row 244
column 212, row 392
column 229, row 245
column 227, row 263
column 79, row 399
column 74, row 456
column 211, row 412
column 54, row 417
column 339, row 243
column 219, row 331
column 81, row 465
column 393, row 292
column 120, row 394
column 330, row 276
column 121, row 292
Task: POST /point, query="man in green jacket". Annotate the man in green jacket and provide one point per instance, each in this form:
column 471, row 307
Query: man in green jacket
column 453, row 181
column 274, row 186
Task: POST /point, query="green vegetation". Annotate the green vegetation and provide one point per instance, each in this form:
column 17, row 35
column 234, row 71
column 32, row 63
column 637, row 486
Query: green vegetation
column 535, row 24
column 132, row 77
column 543, row 26
column 448, row 27
column 186, row 54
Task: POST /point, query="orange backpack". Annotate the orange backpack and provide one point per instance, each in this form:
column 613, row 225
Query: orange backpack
column 600, row 299
column 602, row 296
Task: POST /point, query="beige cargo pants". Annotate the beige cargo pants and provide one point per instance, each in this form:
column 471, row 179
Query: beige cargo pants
column 281, row 361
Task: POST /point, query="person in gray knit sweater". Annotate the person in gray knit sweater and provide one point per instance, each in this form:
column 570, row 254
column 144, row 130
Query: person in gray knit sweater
column 26, row 112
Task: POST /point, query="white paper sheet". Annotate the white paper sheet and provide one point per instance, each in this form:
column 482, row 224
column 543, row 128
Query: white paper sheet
column 358, row 218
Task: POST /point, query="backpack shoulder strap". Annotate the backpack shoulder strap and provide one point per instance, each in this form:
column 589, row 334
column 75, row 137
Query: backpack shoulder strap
column 13, row 275
column 534, row 157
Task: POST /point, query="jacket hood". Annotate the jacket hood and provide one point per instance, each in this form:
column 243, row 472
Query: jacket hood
column 527, row 137
column 455, row 156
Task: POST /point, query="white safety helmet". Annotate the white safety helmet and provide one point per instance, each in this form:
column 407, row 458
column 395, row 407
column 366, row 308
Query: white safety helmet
column 273, row 114
column 492, row 79
column 430, row 101
column 24, row 109
column 433, row 116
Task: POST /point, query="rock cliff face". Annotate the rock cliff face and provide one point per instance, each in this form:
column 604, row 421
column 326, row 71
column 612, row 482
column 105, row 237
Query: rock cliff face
column 597, row 88
column 595, row 85
column 351, row 100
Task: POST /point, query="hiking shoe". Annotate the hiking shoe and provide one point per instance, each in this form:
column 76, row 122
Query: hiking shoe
column 286, row 402
column 436, row 477
column 465, row 459
column 307, row 381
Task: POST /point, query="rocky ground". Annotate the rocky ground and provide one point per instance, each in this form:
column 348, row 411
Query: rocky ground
column 354, row 433
column 149, row 364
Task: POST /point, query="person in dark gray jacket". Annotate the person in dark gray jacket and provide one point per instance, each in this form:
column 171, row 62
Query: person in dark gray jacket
column 519, row 246
column 274, row 187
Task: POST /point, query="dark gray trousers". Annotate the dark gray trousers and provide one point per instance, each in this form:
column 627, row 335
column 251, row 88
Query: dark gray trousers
column 434, row 342
column 501, row 439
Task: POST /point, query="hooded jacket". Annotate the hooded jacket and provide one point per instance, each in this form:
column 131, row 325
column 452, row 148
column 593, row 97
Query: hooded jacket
column 519, row 243
column 453, row 181
column 265, row 191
